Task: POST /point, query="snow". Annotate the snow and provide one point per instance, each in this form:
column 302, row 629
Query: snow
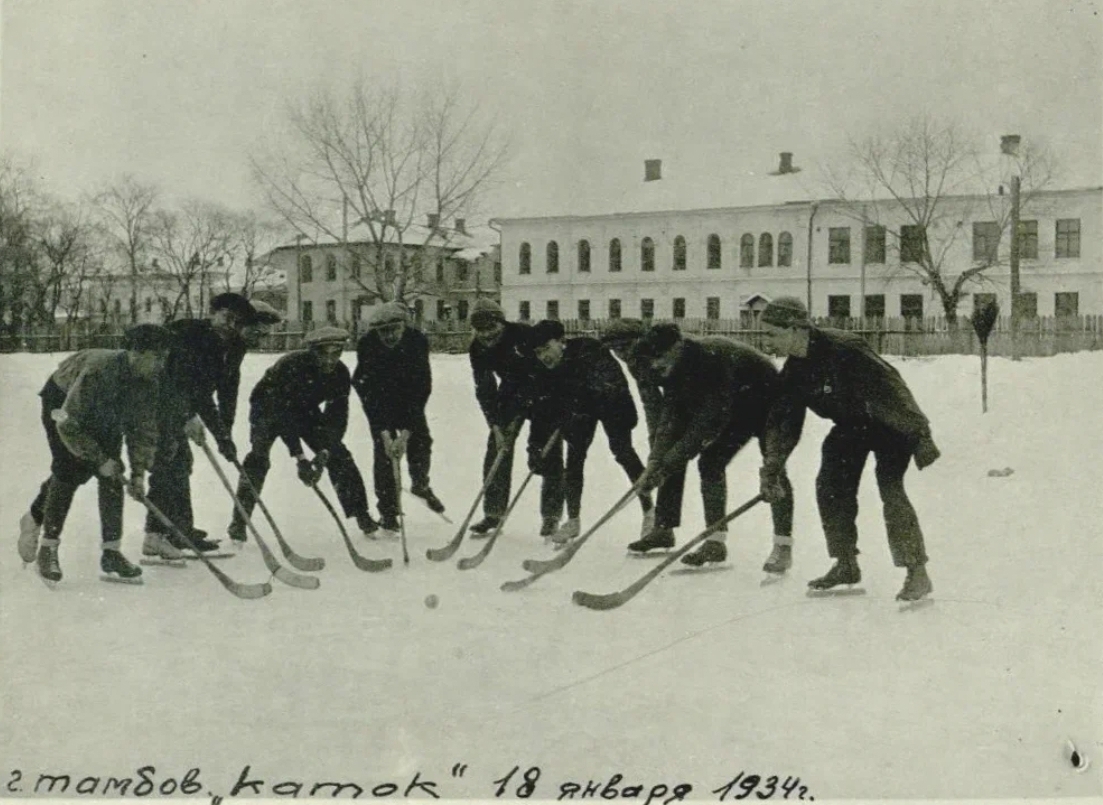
column 698, row 678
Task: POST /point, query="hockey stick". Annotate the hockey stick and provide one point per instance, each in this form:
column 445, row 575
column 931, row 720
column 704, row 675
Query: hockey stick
column 614, row 600
column 441, row 515
column 362, row 562
column 288, row 577
column 541, row 567
column 239, row 589
column 443, row 553
column 396, row 470
column 470, row 562
column 296, row 561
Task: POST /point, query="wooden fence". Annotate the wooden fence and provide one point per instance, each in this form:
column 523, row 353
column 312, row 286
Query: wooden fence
column 892, row 336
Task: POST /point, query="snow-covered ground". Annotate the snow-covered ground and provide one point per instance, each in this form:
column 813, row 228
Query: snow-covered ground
column 699, row 678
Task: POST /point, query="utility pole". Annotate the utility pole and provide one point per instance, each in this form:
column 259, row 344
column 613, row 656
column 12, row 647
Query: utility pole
column 1009, row 146
column 811, row 219
column 862, row 281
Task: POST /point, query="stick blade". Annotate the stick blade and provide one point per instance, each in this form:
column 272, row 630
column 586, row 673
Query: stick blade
column 372, row 565
column 541, row 566
column 599, row 602
column 298, row 580
column 520, row 584
column 471, row 562
column 446, row 552
column 249, row 591
column 305, row 563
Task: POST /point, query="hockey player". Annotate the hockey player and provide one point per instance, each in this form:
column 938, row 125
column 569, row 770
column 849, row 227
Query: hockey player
column 503, row 367
column 621, row 337
column 581, row 385
column 285, row 404
column 838, row 377
column 716, row 397
column 90, row 404
column 203, row 363
column 394, row 380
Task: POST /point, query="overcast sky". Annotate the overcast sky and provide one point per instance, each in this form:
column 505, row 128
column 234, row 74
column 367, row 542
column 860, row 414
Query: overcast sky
column 178, row 91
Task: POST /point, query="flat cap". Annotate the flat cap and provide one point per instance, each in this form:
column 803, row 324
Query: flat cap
column 658, row 339
column 785, row 311
column 264, row 313
column 485, row 312
column 622, row 330
column 388, row 314
column 544, row 331
column 326, row 336
column 235, row 303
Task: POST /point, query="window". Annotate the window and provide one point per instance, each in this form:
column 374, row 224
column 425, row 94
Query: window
column 551, row 309
column 838, row 307
column 149, row 304
column 584, row 256
column 308, row 311
column 679, row 253
column 986, row 242
column 524, row 259
column 1068, row 237
column 461, row 272
column 614, row 308
column 356, row 266
column 911, row 305
column 679, row 308
column 461, row 310
column 765, row 249
column 875, row 306
column 712, row 307
column 1066, row 303
column 497, row 273
column 306, row 269
column 331, row 311
column 1028, row 240
column 584, row 309
column 551, row 257
column 614, row 254
column 524, row 311
column 838, row 245
column 982, row 300
column 715, row 254
column 647, row 309
column 784, row 249
column 388, row 267
column 440, row 271
column 355, row 310
column 746, row 251
column 118, row 307
column 331, row 268
column 419, row 309
column 1028, row 305
column 912, row 243
column 442, row 310
column 647, row 255
column 875, row 245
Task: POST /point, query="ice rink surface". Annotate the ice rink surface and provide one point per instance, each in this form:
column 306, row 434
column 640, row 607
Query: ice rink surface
column 699, row 678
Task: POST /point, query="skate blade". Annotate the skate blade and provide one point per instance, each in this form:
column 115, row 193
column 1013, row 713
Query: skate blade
column 772, row 578
column 149, row 561
column 836, row 592
column 51, row 583
column 922, row 603
column 711, row 567
column 656, row 553
column 120, row 579
column 212, row 555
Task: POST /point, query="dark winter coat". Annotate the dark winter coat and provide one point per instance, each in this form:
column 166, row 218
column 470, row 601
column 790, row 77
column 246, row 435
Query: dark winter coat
column 842, row 379
column 504, row 375
column 104, row 403
column 651, row 393
column 716, row 384
column 200, row 365
column 394, row 384
column 289, row 397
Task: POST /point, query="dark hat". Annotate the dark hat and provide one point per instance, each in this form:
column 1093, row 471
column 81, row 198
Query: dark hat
column 544, row 331
column 264, row 313
column 658, row 339
column 620, row 331
column 485, row 312
column 235, row 303
column 388, row 314
column 326, row 336
column 785, row 311
column 147, row 338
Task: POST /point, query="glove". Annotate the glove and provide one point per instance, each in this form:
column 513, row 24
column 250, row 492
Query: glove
column 309, row 472
column 926, row 452
column 652, row 477
column 770, row 486
column 502, row 438
column 112, row 468
column 136, row 486
column 321, row 459
column 228, row 449
column 194, row 430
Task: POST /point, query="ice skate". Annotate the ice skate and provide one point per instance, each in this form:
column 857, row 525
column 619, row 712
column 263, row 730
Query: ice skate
column 367, row 525
column 48, row 566
column 657, row 539
column 711, row 552
column 389, row 527
column 29, row 532
column 197, row 541
column 117, row 568
column 648, row 524
column 236, row 533
column 570, row 529
column 917, row 585
column 425, row 494
column 845, row 571
column 548, row 526
column 781, row 557
column 157, row 550
column 485, row 527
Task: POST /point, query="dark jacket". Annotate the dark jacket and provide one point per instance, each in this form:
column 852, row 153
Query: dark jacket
column 105, row 402
column 716, row 384
column 587, row 383
column 289, row 395
column 651, row 394
column 844, row 380
column 199, row 366
column 504, row 375
column 394, row 384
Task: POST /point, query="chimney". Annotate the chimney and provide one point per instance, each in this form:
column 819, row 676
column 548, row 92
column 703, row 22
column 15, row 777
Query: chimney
column 434, row 221
column 652, row 170
column 786, row 164
column 1009, row 144
column 460, row 226
column 390, row 219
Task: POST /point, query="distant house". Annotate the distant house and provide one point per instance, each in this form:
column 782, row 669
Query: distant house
column 107, row 297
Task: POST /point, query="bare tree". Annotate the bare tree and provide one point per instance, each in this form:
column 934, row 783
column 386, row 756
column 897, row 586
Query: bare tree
column 397, row 166
column 127, row 211
column 71, row 254
column 931, row 176
column 20, row 202
column 249, row 261
column 191, row 244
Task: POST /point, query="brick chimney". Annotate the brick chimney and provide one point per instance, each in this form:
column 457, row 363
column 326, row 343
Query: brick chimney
column 434, row 221
column 1009, row 144
column 786, row 163
column 652, row 170
column 390, row 219
column 461, row 224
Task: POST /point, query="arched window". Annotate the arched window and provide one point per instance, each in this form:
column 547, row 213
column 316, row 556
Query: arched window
column 784, row 249
column 552, row 256
column 614, row 254
column 714, row 251
column 584, row 256
column 746, row 251
column 766, row 249
column 525, row 259
column 306, row 269
column 331, row 267
column 679, row 253
column 647, row 255
column 356, row 265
